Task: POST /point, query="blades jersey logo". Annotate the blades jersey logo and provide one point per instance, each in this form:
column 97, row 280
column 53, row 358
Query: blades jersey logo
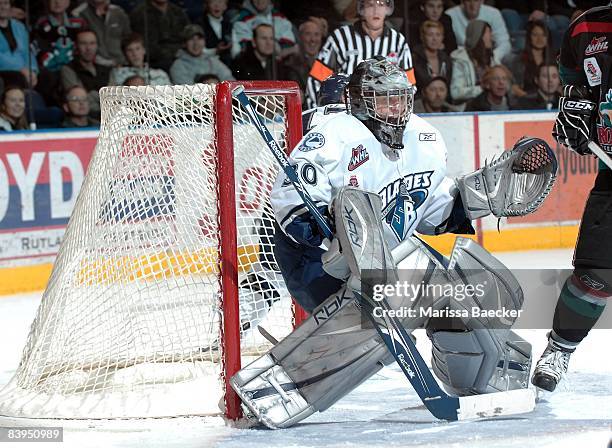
column 401, row 199
column 359, row 157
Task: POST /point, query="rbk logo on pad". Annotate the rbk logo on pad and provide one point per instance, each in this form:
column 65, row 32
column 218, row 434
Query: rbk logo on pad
column 359, row 157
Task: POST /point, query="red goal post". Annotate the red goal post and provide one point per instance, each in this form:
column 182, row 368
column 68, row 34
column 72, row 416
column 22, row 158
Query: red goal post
column 227, row 214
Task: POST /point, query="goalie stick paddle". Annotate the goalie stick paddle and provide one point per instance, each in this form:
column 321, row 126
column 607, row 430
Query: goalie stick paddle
column 394, row 335
column 439, row 403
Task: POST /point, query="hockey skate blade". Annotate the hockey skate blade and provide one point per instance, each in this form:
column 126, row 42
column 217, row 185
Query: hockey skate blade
column 270, row 394
column 496, row 404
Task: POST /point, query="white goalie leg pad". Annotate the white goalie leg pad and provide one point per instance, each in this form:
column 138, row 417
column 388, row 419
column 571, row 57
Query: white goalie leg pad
column 486, row 356
column 320, row 362
column 480, row 361
column 323, row 359
column 270, row 394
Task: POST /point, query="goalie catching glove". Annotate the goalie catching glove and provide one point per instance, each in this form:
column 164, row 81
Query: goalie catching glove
column 574, row 124
column 514, row 184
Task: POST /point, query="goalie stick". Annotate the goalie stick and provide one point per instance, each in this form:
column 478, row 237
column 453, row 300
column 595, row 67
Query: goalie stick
column 394, row 335
column 596, row 149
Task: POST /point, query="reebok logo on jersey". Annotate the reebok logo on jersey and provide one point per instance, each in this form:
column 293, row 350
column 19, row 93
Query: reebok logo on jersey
column 597, row 45
column 427, row 137
column 359, row 157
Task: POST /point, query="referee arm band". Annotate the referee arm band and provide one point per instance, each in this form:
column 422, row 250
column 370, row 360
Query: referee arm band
column 320, row 71
column 411, row 77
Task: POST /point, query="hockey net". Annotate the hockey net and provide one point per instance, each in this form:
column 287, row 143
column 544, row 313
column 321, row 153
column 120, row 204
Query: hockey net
column 166, row 267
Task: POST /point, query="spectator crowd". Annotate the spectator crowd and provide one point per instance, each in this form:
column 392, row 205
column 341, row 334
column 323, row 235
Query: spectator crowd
column 463, row 55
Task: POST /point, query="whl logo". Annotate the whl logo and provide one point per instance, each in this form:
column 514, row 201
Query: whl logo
column 359, row 157
column 597, row 45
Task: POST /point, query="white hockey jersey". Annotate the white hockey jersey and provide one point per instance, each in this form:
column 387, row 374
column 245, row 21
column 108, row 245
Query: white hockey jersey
column 318, row 115
column 415, row 192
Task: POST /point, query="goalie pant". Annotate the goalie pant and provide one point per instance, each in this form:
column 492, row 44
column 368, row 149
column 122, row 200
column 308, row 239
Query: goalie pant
column 586, row 59
column 332, row 351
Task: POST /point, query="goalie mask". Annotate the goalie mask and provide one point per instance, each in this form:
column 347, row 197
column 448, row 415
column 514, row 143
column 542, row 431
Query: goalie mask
column 381, row 97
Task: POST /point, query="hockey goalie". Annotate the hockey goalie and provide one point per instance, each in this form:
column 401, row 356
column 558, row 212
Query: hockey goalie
column 377, row 174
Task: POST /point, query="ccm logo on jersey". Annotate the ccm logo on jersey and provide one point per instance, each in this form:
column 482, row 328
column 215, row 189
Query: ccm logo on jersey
column 314, row 140
column 359, row 157
column 427, row 137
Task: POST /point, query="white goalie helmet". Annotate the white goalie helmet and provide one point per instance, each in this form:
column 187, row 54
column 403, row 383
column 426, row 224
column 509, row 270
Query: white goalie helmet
column 382, row 98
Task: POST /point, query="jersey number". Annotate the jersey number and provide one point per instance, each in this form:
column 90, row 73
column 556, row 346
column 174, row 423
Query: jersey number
column 308, row 173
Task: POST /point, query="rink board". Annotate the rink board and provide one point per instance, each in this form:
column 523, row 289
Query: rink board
column 41, row 173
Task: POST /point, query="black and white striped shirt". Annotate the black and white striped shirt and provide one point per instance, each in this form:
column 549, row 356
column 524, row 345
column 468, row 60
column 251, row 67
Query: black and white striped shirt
column 347, row 46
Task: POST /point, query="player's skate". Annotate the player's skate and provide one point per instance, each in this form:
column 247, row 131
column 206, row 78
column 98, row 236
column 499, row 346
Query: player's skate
column 552, row 365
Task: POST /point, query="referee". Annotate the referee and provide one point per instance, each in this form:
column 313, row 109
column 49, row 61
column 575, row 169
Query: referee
column 348, row 45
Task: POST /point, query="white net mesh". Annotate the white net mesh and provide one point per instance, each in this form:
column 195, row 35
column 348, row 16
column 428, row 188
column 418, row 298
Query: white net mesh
column 129, row 323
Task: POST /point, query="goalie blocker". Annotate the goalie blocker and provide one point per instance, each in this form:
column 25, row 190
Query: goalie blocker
column 333, row 352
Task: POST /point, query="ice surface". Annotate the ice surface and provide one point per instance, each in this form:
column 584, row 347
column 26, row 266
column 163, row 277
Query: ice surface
column 383, row 412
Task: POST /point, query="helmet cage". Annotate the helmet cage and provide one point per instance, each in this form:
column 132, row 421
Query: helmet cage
column 397, row 105
column 381, row 97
